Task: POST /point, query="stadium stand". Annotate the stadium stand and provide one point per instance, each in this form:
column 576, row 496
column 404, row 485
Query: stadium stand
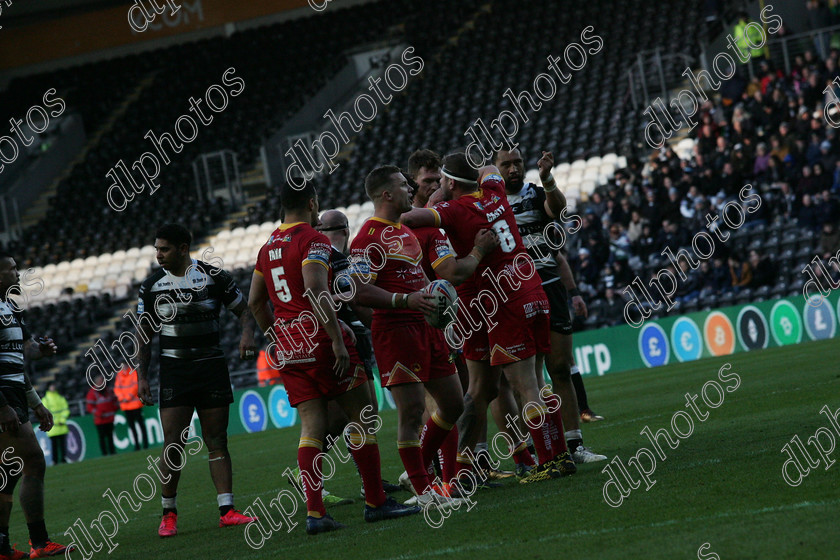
column 592, row 131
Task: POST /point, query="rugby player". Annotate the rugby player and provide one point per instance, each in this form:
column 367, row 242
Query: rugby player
column 17, row 396
column 412, row 355
column 439, row 261
column 535, row 208
column 334, row 225
column 579, row 307
column 515, row 327
column 183, row 300
column 315, row 355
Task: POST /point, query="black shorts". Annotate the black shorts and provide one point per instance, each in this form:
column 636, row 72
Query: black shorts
column 15, row 394
column 199, row 384
column 558, row 301
column 364, row 346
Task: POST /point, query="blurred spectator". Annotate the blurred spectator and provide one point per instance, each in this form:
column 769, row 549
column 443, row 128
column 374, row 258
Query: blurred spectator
column 125, row 388
column 634, row 228
column 763, row 271
column 266, row 374
column 103, row 404
column 58, row 407
column 587, row 269
column 612, row 310
column 828, row 209
column 740, row 273
column 806, row 216
column 829, row 240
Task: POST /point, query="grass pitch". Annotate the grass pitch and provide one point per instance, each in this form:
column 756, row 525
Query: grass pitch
column 722, row 486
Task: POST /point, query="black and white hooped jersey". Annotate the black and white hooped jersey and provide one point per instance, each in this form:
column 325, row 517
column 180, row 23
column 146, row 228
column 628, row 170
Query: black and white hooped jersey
column 187, row 309
column 529, row 209
column 13, row 333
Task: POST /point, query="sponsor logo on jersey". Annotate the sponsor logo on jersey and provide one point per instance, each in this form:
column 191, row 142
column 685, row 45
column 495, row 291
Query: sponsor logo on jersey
column 479, row 205
column 494, row 215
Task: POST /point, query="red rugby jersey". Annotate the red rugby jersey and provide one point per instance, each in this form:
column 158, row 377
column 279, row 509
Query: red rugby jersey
column 388, row 256
column 487, row 208
column 281, row 260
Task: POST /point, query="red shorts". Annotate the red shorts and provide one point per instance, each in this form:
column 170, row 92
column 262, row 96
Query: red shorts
column 309, row 374
column 520, row 327
column 410, row 353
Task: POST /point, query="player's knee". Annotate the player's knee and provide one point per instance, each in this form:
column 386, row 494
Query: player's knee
column 560, row 369
column 34, row 464
column 216, row 443
column 412, row 414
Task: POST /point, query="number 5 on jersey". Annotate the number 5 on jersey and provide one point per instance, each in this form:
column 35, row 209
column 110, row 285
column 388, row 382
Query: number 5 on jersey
column 280, row 284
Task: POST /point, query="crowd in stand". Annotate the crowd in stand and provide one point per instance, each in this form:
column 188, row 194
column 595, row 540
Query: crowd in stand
column 768, row 131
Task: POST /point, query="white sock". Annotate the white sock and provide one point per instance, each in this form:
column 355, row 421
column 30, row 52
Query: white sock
column 574, row 434
column 225, row 499
column 168, row 503
column 479, row 447
column 574, row 369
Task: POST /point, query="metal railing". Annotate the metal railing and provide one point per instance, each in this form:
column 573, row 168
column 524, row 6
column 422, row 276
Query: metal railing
column 784, row 50
column 654, row 74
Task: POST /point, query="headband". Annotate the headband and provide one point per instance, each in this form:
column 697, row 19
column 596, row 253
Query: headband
column 446, row 173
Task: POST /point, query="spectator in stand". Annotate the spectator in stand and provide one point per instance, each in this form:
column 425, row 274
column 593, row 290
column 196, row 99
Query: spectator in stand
column 125, row 389
column 762, row 161
column 740, row 273
column 671, row 208
column 822, row 180
column 103, row 404
column 763, row 270
column 612, row 310
column 647, row 243
column 690, row 287
column 806, row 216
column 721, row 278
column 60, row 410
column 828, row 208
column 786, row 205
column 829, row 240
column 587, row 269
column 634, row 228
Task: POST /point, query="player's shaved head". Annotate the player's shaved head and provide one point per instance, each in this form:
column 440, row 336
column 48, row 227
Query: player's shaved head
column 381, row 179
column 333, row 219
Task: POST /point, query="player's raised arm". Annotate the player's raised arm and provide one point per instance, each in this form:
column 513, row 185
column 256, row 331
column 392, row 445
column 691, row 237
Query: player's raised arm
column 315, row 281
column 555, row 200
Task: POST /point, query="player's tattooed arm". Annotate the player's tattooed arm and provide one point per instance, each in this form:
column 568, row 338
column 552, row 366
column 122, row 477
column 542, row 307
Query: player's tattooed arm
column 247, row 346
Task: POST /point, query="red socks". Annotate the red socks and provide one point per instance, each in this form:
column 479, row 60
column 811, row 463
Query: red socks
column 365, row 451
column 309, row 462
column 521, row 455
column 412, row 459
column 537, row 421
column 434, row 433
column 448, row 455
column 555, row 421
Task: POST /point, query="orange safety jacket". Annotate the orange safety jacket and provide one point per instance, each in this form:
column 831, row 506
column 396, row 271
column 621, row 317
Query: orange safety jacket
column 125, row 387
column 266, row 375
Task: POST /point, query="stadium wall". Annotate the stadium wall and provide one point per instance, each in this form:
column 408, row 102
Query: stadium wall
column 671, row 340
